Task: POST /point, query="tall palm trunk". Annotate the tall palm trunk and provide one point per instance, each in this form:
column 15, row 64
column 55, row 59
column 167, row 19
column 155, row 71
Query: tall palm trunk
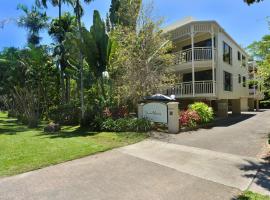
column 78, row 17
column 62, row 78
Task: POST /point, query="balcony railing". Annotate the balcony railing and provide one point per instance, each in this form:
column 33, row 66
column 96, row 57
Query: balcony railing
column 186, row 89
column 253, row 91
column 200, row 54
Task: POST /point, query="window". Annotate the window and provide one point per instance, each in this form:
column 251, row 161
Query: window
column 239, row 55
column 243, row 61
column 227, row 81
column 239, row 78
column 227, row 53
column 244, row 81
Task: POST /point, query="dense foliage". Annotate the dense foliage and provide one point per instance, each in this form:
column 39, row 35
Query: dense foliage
column 260, row 50
column 197, row 113
column 205, row 112
column 189, row 119
column 86, row 71
column 127, row 124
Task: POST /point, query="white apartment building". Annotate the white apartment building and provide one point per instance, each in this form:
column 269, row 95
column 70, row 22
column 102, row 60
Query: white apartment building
column 210, row 66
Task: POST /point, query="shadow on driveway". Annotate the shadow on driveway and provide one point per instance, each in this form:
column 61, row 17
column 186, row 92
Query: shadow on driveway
column 232, row 119
column 262, row 178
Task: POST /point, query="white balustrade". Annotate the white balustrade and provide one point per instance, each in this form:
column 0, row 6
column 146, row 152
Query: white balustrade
column 200, row 54
column 185, row 88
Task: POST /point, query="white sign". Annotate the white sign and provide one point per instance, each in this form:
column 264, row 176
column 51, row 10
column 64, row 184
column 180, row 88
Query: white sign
column 156, row 112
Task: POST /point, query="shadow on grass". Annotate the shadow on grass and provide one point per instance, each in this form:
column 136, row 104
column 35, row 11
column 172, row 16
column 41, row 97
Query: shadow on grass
column 11, row 127
column 67, row 133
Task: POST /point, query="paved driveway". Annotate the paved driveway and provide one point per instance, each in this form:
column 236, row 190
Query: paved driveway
column 207, row 164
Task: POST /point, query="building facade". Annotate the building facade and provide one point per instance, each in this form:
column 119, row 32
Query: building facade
column 210, row 66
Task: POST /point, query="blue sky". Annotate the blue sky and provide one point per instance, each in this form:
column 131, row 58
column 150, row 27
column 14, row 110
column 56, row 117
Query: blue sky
column 244, row 23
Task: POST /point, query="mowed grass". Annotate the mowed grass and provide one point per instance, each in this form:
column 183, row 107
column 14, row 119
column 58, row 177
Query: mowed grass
column 248, row 195
column 23, row 149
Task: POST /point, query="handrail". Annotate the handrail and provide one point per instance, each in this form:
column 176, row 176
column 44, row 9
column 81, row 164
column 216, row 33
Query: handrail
column 186, row 88
column 200, row 54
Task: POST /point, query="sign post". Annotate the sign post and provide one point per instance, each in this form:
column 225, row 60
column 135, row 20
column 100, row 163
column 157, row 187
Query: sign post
column 173, row 117
column 161, row 113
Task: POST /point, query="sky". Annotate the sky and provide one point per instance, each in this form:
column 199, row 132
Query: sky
column 244, row 23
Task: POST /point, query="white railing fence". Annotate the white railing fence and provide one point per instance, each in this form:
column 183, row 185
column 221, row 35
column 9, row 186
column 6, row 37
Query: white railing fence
column 186, row 88
column 200, row 54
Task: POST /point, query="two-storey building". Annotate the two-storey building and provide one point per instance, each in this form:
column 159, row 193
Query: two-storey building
column 210, row 66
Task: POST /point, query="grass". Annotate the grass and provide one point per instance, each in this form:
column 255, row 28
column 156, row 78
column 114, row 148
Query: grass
column 23, row 149
column 248, row 195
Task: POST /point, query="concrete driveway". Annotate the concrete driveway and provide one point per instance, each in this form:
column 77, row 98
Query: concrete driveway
column 206, row 164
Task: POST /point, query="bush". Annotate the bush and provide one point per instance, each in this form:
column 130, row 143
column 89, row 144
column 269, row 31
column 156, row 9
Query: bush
column 116, row 112
column 204, row 111
column 67, row 114
column 189, row 118
column 265, row 104
column 126, row 124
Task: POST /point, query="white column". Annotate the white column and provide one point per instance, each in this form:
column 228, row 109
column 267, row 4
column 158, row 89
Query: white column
column 193, row 64
column 213, row 59
column 173, row 117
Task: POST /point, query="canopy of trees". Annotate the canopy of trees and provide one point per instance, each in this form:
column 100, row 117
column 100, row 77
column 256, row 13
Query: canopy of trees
column 87, row 69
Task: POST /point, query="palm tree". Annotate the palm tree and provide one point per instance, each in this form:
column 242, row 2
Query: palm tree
column 59, row 31
column 34, row 21
column 78, row 10
column 60, row 39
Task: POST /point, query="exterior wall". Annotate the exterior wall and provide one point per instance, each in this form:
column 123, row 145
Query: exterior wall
column 182, row 38
column 238, row 91
column 244, row 104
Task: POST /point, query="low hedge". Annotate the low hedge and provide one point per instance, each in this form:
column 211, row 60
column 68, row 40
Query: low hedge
column 126, row 124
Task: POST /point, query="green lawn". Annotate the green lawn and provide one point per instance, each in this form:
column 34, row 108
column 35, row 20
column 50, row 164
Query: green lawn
column 253, row 196
column 23, row 149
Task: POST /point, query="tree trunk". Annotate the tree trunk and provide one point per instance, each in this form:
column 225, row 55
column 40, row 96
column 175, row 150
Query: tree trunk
column 62, row 78
column 81, row 62
column 67, row 89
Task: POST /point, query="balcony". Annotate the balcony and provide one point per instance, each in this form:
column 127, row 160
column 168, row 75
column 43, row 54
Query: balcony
column 185, row 89
column 202, row 58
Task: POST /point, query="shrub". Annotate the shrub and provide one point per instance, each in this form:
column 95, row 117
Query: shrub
column 67, row 114
column 126, row 124
column 189, row 118
column 116, row 112
column 204, row 111
column 265, row 104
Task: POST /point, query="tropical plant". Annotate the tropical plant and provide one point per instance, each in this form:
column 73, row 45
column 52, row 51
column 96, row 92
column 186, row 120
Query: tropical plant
column 189, row 118
column 78, row 10
column 34, row 21
column 26, row 106
column 60, row 31
column 127, row 124
column 205, row 112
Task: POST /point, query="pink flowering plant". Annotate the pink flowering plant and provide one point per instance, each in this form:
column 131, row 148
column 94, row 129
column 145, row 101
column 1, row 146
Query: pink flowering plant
column 189, row 118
